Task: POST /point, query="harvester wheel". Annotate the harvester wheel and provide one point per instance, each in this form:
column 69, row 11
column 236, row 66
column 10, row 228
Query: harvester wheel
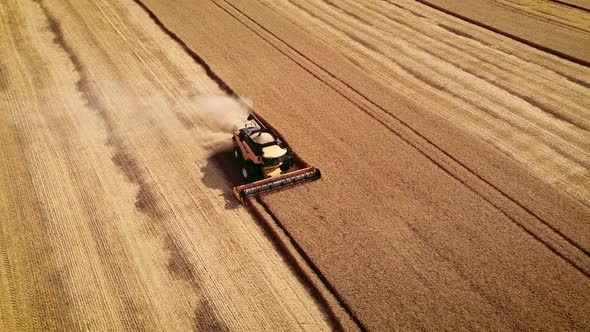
column 286, row 165
column 237, row 153
column 247, row 171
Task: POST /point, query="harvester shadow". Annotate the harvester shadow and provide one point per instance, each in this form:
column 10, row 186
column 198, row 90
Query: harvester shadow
column 271, row 227
column 231, row 176
column 225, row 162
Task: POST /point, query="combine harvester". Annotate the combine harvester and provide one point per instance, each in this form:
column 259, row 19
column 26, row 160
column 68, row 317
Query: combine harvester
column 266, row 160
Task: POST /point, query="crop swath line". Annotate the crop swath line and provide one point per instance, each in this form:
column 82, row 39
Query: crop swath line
column 571, row 5
column 459, row 64
column 196, row 57
column 534, row 15
column 507, row 34
column 572, row 242
column 299, row 272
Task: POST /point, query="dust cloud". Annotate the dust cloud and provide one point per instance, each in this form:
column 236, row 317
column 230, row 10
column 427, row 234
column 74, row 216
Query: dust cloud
column 223, row 113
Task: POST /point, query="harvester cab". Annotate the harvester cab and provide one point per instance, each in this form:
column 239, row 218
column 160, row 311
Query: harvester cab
column 259, row 150
column 266, row 161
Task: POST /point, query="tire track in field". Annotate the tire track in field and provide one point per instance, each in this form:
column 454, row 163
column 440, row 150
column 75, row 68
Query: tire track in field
column 527, row 229
column 485, row 43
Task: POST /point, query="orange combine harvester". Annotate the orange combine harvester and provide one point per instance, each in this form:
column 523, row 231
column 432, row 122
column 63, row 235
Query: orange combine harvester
column 266, row 160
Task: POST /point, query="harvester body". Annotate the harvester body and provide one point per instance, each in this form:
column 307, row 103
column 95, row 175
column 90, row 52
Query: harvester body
column 266, row 160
